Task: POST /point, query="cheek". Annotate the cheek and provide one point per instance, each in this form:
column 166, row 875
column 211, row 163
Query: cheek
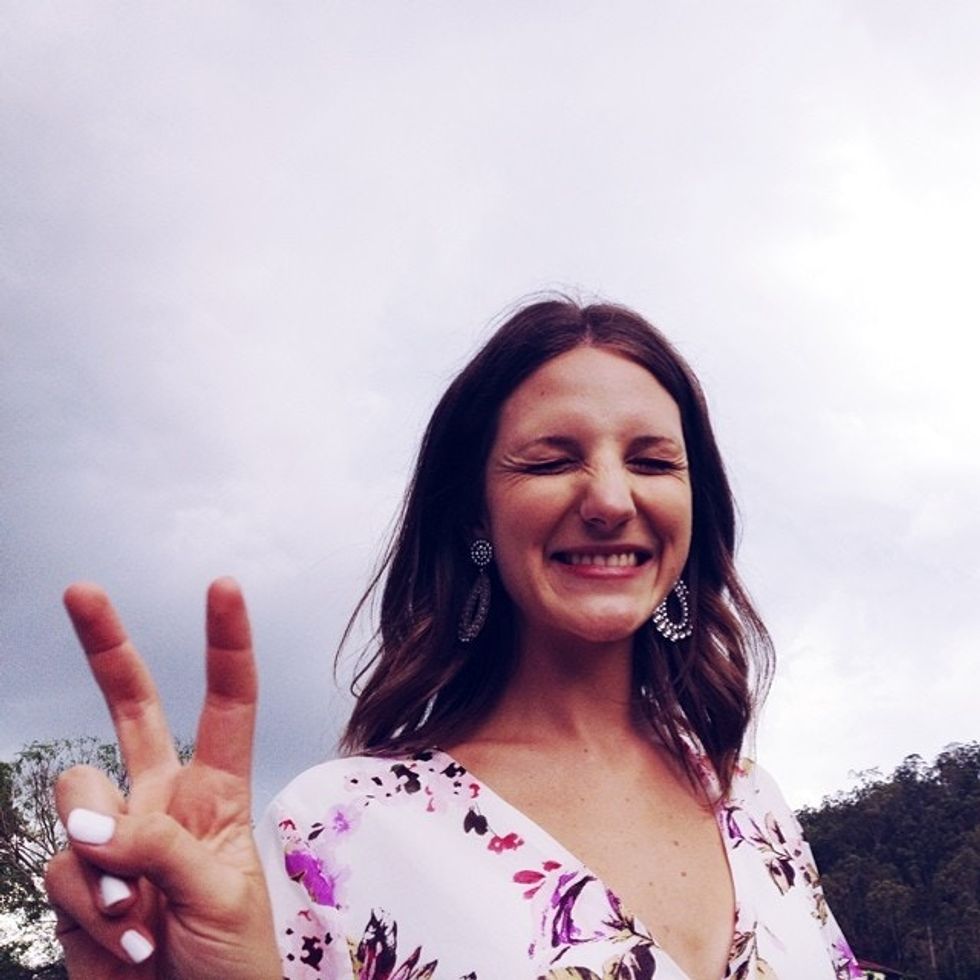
column 519, row 528
column 519, row 513
column 674, row 518
column 685, row 520
column 514, row 535
column 685, row 533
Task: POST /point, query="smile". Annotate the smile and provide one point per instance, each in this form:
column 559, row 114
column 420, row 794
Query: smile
column 622, row 559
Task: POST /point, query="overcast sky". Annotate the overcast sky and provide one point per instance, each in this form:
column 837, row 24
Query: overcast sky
column 245, row 246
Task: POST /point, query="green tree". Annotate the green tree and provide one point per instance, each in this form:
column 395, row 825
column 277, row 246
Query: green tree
column 900, row 860
column 16, row 885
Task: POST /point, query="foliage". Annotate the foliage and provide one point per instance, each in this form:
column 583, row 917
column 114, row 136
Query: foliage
column 31, row 833
column 12, row 966
column 900, row 863
column 16, row 886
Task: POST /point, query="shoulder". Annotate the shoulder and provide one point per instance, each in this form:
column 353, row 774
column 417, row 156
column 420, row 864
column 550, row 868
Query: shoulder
column 362, row 781
column 332, row 775
column 755, row 790
column 364, row 805
column 752, row 779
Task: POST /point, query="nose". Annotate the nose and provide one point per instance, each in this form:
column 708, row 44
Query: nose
column 607, row 499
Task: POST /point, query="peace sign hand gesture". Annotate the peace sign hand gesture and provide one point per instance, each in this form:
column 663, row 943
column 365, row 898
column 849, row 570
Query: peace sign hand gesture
column 166, row 882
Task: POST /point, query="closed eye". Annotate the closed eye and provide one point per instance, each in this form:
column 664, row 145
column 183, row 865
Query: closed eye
column 647, row 464
column 546, row 466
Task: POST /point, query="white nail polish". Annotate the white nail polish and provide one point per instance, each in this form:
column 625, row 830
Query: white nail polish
column 113, row 890
column 89, row 827
column 136, row 946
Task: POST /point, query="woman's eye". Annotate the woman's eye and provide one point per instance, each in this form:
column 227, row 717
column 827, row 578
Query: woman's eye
column 648, row 465
column 549, row 466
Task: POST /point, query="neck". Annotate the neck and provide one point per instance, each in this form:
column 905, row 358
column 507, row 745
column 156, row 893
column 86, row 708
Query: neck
column 567, row 694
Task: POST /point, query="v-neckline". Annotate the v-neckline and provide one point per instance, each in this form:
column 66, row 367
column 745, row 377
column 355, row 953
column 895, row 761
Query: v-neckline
column 547, row 845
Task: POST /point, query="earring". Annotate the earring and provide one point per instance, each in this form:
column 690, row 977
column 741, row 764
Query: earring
column 477, row 603
column 665, row 626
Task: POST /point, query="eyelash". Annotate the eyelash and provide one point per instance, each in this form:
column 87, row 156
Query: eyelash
column 555, row 466
column 658, row 465
column 549, row 466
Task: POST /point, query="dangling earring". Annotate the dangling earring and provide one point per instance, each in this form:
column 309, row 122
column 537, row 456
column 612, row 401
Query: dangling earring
column 665, row 626
column 477, row 603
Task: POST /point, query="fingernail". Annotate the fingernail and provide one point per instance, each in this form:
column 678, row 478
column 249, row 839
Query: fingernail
column 113, row 890
column 89, row 827
column 136, row 946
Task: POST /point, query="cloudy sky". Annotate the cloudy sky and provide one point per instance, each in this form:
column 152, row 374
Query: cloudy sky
column 244, row 246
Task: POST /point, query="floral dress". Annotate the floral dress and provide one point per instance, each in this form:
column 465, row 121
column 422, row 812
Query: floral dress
column 411, row 869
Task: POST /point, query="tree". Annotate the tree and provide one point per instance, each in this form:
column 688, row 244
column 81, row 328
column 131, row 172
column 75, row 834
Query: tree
column 11, row 961
column 16, row 885
column 31, row 834
column 900, row 861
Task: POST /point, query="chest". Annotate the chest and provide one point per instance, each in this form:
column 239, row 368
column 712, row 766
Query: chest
column 656, row 848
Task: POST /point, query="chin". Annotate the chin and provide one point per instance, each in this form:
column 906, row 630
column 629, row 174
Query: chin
column 607, row 629
column 580, row 621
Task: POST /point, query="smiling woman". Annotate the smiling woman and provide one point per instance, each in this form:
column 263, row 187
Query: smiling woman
column 594, row 404
column 591, row 509
column 543, row 773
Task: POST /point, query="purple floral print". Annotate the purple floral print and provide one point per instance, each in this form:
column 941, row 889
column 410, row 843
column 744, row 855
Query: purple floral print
column 412, row 869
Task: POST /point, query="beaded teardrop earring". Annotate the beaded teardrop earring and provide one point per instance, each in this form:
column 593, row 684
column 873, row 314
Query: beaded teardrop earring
column 477, row 605
column 665, row 626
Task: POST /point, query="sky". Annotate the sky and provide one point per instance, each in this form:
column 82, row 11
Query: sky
column 245, row 246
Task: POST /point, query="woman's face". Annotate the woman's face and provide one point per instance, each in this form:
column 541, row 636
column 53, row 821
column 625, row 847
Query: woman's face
column 588, row 497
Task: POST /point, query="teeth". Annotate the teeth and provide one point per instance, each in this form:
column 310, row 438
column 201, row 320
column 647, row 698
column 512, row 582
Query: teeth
column 623, row 560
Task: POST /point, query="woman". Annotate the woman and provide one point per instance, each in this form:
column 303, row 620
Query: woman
column 544, row 778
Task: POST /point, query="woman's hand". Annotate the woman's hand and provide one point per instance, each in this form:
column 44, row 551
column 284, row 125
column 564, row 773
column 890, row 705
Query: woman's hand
column 166, row 882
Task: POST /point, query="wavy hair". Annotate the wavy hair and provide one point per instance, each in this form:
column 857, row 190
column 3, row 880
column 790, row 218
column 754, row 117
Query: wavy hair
column 416, row 687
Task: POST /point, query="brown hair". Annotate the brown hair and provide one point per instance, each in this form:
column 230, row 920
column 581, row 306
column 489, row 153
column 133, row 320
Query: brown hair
column 421, row 690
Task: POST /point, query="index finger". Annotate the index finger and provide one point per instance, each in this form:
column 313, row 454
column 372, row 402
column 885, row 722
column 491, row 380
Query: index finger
column 129, row 692
column 227, row 725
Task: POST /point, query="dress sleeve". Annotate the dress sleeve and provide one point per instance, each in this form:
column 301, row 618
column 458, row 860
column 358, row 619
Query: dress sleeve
column 783, row 824
column 309, row 923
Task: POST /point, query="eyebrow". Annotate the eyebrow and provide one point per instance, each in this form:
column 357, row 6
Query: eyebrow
column 656, row 442
column 568, row 444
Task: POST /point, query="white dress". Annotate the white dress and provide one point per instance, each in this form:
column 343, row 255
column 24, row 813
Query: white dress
column 411, row 869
